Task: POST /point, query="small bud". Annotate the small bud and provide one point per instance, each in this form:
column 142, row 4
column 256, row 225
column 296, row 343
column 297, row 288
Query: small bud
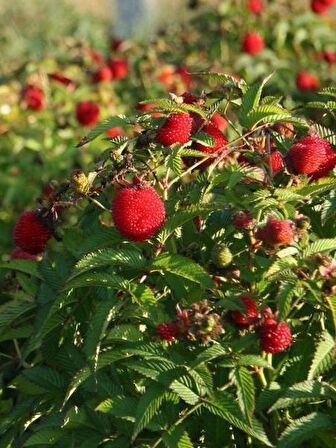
column 221, row 256
column 80, row 182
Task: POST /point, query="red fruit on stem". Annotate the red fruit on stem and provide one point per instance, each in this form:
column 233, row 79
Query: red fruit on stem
column 167, row 331
column 242, row 219
column 176, row 129
column 274, row 337
column 87, row 113
column 253, row 43
column 115, row 132
column 219, row 145
column 119, row 68
column 33, row 97
column 320, row 6
column 138, row 212
column 255, row 6
column 308, row 154
column 31, row 233
column 103, row 74
column 185, row 76
column 276, row 231
column 329, row 56
column 244, row 320
column 276, row 162
column 327, row 166
column 189, row 98
column 306, row 81
column 219, row 121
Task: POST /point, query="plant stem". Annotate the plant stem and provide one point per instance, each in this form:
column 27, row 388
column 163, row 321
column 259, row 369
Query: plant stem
column 262, row 377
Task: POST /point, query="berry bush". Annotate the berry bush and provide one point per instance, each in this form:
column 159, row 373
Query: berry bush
column 181, row 292
column 168, row 278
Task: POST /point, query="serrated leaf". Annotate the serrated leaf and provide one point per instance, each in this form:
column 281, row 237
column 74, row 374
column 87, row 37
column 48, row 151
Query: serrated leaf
column 45, row 436
column 322, row 245
column 253, row 360
column 245, row 391
column 303, row 429
column 324, row 356
column 224, row 79
column 104, row 279
column 251, row 99
column 103, row 126
column 182, row 267
column 26, row 266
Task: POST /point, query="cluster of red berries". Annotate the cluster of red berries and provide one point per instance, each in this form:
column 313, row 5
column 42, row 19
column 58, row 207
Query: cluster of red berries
column 175, row 78
column 321, row 6
column 179, row 128
column 274, row 337
column 31, row 234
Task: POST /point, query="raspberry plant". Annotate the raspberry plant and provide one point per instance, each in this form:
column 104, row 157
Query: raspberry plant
column 146, row 342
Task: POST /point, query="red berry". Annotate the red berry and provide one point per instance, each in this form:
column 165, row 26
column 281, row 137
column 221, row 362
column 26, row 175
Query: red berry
column 308, row 154
column 306, row 81
column 250, row 316
column 255, row 6
column 62, row 79
column 33, row 97
column 276, row 162
column 138, row 212
column 185, row 76
column 220, row 142
column 119, row 68
column 115, row 132
column 20, row 254
column 242, row 219
column 95, row 56
column 276, row 231
column 219, row 121
column 253, row 43
column 189, row 98
column 87, row 113
column 176, row 129
column 146, row 107
column 103, row 74
column 167, row 76
column 167, row 331
column 327, row 166
column 320, row 6
column 31, row 233
column 116, row 44
column 329, row 56
column 274, row 337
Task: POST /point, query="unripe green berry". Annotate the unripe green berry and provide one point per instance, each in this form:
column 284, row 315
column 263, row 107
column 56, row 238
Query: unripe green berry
column 221, row 256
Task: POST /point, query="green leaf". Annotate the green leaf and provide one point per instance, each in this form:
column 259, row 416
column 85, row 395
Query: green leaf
column 177, row 438
column 245, row 391
column 224, row 406
column 253, row 360
column 323, row 357
column 9, row 312
column 251, row 100
column 148, row 406
column 322, row 245
column 224, row 79
column 103, row 126
column 305, row 428
column 105, row 279
column 46, row 436
column 126, row 257
column 305, row 392
column 26, row 266
column 182, row 267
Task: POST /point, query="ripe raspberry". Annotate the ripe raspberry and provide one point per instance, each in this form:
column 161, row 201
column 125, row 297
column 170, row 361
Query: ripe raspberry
column 167, row 331
column 33, row 97
column 276, row 231
column 103, row 74
column 167, row 76
column 185, row 76
column 221, row 255
column 138, row 212
column 274, row 337
column 87, row 113
column 242, row 219
column 250, row 317
column 306, row 81
column 19, row 254
column 329, row 56
column 31, row 233
column 255, row 6
column 119, row 68
column 189, row 98
column 220, row 142
column 327, row 166
column 62, row 79
column 115, row 132
column 320, row 6
column 276, row 162
column 308, row 154
column 176, row 129
column 253, row 43
column 219, row 121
